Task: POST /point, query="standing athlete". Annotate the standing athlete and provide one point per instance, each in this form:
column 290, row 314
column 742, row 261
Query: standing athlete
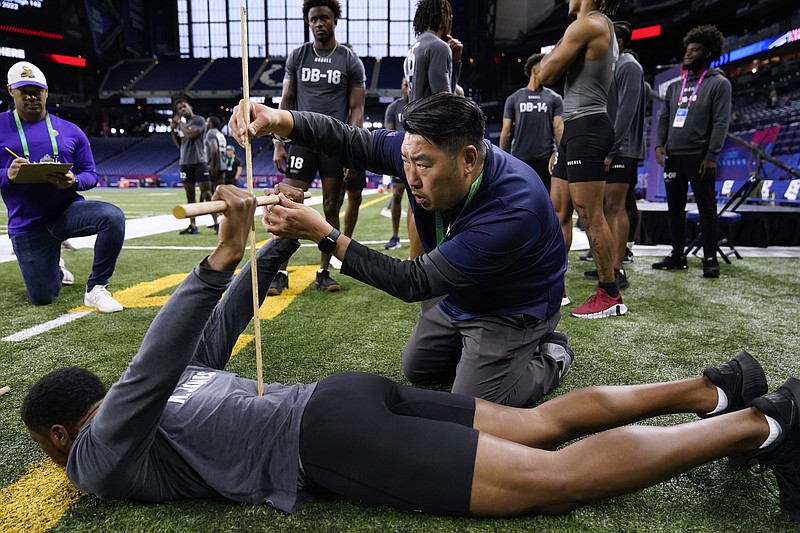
column 587, row 54
column 433, row 63
column 626, row 101
column 215, row 152
column 690, row 135
column 327, row 78
column 532, row 123
column 187, row 130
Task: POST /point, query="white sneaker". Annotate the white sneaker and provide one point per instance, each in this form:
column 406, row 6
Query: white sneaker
column 386, row 213
column 66, row 276
column 101, row 299
column 335, row 263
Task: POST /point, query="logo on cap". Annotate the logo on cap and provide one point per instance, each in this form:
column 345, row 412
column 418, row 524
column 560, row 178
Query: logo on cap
column 26, row 73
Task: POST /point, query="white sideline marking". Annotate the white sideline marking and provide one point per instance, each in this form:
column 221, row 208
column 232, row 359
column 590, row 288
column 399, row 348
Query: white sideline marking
column 47, row 326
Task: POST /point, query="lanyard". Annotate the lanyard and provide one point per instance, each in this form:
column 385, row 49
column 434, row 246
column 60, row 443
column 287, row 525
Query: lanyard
column 694, row 92
column 24, row 141
column 441, row 236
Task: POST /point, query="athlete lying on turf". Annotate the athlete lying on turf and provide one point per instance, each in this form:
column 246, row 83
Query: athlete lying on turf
column 176, row 425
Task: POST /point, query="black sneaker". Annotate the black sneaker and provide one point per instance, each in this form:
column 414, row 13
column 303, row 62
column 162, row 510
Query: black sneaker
column 325, row 282
column 672, row 262
column 191, row 230
column 710, row 267
column 742, row 379
column 622, row 278
column 586, row 257
column 554, row 345
column 628, row 259
column 783, row 455
column 279, row 283
column 393, row 244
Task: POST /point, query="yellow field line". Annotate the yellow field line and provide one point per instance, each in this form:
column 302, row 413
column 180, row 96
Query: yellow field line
column 37, row 501
column 367, row 204
column 300, row 277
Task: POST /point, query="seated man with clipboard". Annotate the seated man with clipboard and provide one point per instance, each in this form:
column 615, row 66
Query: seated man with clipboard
column 40, row 189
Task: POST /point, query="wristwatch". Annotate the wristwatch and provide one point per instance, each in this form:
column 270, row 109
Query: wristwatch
column 328, row 243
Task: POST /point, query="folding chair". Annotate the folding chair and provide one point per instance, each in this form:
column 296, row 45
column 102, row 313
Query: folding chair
column 726, row 219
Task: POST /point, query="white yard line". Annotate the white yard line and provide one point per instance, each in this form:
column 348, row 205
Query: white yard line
column 47, row 326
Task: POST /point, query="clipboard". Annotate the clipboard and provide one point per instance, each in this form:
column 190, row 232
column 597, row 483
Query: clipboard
column 38, row 172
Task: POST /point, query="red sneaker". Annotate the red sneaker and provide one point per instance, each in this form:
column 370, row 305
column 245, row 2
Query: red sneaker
column 601, row 305
column 565, row 299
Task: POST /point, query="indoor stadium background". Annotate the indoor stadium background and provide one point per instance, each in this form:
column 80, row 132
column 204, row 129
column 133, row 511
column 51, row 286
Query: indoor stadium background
column 115, row 66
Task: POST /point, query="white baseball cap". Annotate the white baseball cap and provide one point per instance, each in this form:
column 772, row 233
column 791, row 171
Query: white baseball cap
column 25, row 73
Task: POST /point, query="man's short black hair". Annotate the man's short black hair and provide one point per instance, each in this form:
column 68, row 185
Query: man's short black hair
column 333, row 5
column 531, row 62
column 63, row 396
column 446, row 120
column 215, row 123
column 608, row 7
column 179, row 101
column 623, row 30
column 708, row 36
column 432, row 15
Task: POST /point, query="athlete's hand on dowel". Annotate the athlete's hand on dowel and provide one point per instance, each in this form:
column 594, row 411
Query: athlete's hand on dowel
column 262, row 121
column 291, row 220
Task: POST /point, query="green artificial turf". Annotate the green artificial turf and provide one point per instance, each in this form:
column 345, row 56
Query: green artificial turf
column 678, row 324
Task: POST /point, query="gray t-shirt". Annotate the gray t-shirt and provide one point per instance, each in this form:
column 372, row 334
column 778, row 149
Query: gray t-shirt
column 193, row 150
column 532, row 113
column 323, row 83
column 394, row 114
column 222, row 143
column 627, row 97
column 429, row 67
column 587, row 83
column 172, row 428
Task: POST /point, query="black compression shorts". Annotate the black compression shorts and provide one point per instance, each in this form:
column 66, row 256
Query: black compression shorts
column 305, row 164
column 623, row 170
column 364, row 436
column 584, row 146
column 542, row 168
column 195, row 173
column 358, row 183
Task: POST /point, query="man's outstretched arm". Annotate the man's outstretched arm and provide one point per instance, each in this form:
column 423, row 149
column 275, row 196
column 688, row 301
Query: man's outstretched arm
column 128, row 418
column 319, row 133
column 425, row 277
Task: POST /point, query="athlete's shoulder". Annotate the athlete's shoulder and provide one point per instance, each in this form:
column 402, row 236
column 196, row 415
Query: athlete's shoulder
column 431, row 41
column 550, row 93
column 628, row 64
column 296, row 55
column 519, row 93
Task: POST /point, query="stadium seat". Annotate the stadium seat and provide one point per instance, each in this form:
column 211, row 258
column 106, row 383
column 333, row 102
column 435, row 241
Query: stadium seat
column 792, row 190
